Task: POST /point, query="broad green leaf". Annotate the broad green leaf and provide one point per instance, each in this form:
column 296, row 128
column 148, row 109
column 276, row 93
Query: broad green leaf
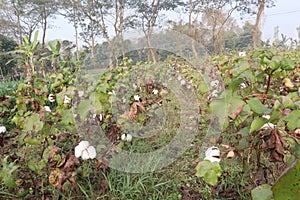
column 33, row 123
column 257, row 124
column 256, row 105
column 228, row 105
column 84, row 108
column 287, row 64
column 287, row 102
column 32, row 141
column 209, row 171
column 67, row 117
column 287, row 187
column 262, row 192
column 293, row 120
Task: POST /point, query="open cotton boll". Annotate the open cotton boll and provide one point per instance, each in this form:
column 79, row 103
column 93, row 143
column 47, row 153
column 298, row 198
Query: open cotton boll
column 212, row 154
column 123, row 137
column 129, row 138
column 85, row 151
column 136, row 97
column 67, row 100
column 51, row 98
column 2, row 129
column 47, row 108
column 155, row 91
column 92, row 152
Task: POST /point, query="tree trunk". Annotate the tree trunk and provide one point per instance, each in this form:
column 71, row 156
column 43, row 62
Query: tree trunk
column 256, row 30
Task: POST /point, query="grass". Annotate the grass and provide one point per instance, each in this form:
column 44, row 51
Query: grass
column 8, row 87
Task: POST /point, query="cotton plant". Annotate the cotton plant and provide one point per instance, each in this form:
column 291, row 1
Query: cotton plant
column 85, row 151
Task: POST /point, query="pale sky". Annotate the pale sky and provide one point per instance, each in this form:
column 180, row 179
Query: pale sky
column 286, row 15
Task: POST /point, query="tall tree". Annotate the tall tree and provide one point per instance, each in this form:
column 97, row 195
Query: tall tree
column 148, row 14
column 255, row 7
column 18, row 18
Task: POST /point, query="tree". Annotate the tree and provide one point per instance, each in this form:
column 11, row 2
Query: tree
column 255, row 7
column 217, row 24
column 7, row 68
column 147, row 17
column 18, row 18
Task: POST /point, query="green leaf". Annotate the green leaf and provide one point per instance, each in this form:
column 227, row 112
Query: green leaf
column 6, row 173
column 32, row 141
column 287, row 187
column 33, row 123
column 293, row 120
column 257, row 124
column 262, row 192
column 256, row 105
column 287, row 102
column 228, row 106
column 84, row 108
column 67, row 117
column 287, row 64
column 209, row 171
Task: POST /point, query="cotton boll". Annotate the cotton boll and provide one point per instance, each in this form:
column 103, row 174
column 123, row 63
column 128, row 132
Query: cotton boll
column 129, row 138
column 85, row 155
column 92, row 152
column 78, row 151
column 123, row 137
column 2, row 129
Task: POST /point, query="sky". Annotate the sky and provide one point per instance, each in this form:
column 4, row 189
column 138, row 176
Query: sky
column 286, row 15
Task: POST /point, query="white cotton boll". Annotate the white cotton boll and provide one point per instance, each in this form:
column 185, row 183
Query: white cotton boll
column 78, row 151
column 47, row 108
column 51, row 97
column 123, row 137
column 155, row 91
column 84, row 144
column 242, row 53
column 2, row 129
column 268, row 125
column 112, row 92
column 136, row 97
column 182, row 82
column 214, row 83
column 92, row 152
column 214, row 93
column 80, row 93
column 212, row 151
column 85, row 155
column 67, row 100
column 266, row 116
column 129, row 138
column 243, row 85
column 212, row 154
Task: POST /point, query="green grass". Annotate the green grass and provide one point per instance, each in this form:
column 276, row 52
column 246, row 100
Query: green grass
column 8, row 87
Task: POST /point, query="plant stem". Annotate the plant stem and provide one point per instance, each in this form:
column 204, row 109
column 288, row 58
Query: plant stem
column 267, row 89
